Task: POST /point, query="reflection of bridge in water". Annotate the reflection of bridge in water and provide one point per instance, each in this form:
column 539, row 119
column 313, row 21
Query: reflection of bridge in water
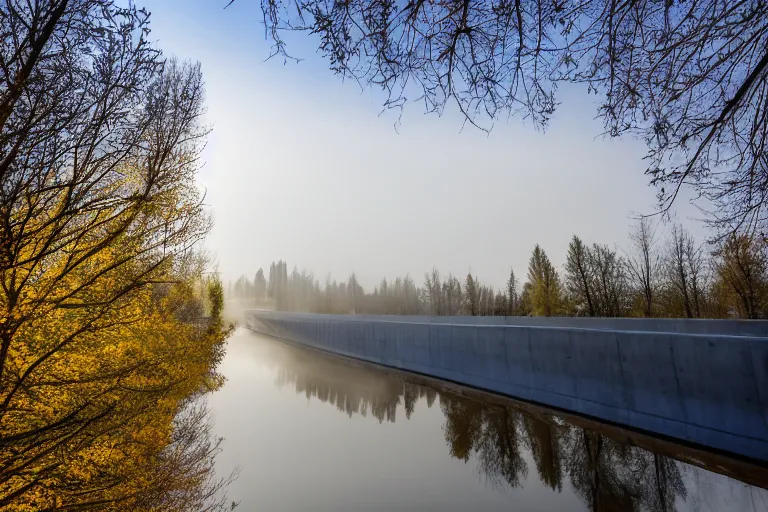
column 608, row 467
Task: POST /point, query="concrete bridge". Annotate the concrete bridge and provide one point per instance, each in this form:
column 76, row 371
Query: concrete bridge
column 699, row 381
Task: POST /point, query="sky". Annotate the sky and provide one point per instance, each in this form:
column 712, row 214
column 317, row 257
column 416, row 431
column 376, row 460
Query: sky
column 305, row 167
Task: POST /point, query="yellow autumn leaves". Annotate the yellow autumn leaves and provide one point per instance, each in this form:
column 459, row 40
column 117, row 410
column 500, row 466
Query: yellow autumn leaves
column 89, row 395
column 105, row 343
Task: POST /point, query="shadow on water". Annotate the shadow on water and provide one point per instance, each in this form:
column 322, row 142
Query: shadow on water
column 609, row 468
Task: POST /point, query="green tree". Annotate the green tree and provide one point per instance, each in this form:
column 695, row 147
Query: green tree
column 545, row 284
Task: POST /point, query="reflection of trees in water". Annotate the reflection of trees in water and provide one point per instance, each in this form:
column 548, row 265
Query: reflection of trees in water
column 463, row 425
column 544, row 442
column 668, row 484
column 595, row 467
column 489, row 432
column 499, row 448
column 353, row 390
column 612, row 476
column 606, row 474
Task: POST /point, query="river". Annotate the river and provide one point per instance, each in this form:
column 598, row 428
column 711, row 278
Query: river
column 312, row 432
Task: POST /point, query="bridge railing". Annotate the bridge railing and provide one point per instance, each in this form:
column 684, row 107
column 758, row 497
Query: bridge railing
column 754, row 328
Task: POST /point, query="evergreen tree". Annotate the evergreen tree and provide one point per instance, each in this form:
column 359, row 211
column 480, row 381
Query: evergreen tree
column 512, row 297
column 259, row 285
column 545, row 284
column 471, row 295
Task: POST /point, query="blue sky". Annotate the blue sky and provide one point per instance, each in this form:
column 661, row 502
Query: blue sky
column 304, row 167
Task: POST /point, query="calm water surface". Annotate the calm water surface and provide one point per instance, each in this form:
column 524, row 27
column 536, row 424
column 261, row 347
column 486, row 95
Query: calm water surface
column 315, row 433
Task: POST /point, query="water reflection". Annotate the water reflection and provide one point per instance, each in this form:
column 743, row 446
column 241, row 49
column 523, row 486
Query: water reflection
column 509, row 440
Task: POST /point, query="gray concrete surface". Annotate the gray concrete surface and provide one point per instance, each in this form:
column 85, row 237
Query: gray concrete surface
column 672, row 378
column 757, row 328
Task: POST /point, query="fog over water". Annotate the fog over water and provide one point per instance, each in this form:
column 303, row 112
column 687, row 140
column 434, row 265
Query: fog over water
column 316, row 433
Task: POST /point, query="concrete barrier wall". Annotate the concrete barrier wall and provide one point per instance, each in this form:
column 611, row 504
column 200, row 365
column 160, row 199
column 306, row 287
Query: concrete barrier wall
column 756, row 328
column 706, row 389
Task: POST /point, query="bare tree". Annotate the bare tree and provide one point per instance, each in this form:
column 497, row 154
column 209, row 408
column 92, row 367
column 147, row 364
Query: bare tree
column 433, row 293
column 610, row 282
column 643, row 265
column 654, row 64
column 489, row 297
column 694, row 258
column 684, row 269
column 500, row 306
column 676, row 269
column 452, row 295
column 578, row 275
column 185, row 478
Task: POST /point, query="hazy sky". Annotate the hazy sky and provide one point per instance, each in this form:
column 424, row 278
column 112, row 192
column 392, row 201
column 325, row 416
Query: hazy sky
column 300, row 166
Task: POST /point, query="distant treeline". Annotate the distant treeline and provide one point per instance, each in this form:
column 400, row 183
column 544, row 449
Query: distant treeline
column 669, row 276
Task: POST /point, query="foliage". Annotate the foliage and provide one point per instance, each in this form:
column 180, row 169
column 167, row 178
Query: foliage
column 545, row 289
column 742, row 274
column 103, row 342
